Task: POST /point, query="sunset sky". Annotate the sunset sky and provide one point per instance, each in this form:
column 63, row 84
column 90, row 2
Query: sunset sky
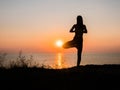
column 35, row 25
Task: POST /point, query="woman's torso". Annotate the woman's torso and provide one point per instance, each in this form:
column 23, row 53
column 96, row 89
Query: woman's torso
column 78, row 32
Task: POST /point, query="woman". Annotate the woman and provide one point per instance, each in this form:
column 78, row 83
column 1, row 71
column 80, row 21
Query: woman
column 79, row 28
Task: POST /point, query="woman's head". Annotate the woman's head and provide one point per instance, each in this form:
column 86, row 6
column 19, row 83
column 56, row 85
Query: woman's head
column 79, row 20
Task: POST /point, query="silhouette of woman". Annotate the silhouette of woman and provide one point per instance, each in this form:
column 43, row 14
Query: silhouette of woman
column 77, row 41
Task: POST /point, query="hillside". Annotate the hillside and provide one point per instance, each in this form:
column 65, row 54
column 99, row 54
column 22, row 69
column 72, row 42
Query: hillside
column 89, row 76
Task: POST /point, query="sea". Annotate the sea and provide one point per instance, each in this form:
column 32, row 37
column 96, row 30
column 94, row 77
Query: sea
column 59, row 60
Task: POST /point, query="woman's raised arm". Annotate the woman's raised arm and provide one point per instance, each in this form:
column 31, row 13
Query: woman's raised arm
column 85, row 29
column 72, row 29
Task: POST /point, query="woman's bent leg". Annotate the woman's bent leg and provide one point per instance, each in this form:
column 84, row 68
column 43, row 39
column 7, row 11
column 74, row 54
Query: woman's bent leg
column 69, row 44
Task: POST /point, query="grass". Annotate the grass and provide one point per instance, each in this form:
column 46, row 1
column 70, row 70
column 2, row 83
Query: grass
column 21, row 61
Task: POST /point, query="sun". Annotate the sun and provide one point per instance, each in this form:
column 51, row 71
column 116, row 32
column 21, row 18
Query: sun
column 59, row 43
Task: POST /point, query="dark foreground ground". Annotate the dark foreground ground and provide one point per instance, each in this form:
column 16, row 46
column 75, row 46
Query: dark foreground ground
column 74, row 78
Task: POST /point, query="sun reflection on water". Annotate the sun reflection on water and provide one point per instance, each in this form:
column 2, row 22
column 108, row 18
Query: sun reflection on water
column 59, row 62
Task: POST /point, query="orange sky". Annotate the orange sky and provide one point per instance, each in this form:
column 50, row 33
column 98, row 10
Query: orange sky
column 36, row 25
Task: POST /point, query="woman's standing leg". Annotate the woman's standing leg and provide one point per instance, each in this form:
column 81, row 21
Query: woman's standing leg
column 79, row 53
column 78, row 56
